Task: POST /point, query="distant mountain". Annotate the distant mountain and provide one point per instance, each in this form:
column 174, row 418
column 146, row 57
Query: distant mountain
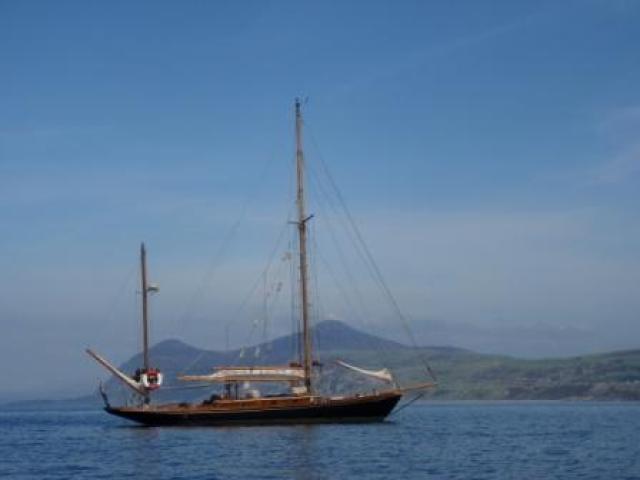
column 174, row 356
column 332, row 339
column 462, row 374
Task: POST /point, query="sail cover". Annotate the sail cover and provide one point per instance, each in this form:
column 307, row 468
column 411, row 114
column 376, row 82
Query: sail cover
column 249, row 374
column 384, row 374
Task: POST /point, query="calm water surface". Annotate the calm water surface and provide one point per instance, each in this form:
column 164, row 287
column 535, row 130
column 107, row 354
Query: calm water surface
column 425, row 441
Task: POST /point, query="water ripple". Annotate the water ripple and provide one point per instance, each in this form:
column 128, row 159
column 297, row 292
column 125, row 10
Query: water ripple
column 426, row 441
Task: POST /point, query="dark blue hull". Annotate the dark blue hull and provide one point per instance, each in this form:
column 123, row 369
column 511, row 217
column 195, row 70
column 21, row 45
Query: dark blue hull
column 370, row 408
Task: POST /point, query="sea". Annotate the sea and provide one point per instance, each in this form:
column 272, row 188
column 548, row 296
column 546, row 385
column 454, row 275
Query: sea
column 450, row 440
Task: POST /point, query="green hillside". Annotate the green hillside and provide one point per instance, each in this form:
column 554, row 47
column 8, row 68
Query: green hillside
column 468, row 375
column 611, row 376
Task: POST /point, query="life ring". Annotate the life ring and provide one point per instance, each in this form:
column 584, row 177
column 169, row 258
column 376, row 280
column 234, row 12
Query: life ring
column 151, row 379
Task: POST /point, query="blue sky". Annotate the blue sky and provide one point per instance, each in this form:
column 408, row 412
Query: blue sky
column 488, row 149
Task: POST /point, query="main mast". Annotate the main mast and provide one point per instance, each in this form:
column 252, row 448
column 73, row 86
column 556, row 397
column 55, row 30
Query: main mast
column 302, row 238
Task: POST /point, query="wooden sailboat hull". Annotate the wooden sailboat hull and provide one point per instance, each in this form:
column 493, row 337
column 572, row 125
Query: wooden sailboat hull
column 265, row 411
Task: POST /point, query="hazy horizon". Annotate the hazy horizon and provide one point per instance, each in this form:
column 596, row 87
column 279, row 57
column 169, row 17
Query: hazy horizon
column 488, row 152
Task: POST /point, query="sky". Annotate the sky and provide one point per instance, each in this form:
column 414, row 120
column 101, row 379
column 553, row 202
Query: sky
column 489, row 152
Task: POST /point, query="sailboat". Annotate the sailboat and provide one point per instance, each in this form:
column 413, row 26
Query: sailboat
column 300, row 404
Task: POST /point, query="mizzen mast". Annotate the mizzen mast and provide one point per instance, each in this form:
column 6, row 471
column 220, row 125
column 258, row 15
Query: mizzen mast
column 302, row 239
column 145, row 308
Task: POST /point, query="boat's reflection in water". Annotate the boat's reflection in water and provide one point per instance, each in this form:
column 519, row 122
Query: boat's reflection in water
column 144, row 449
column 231, row 452
column 303, row 438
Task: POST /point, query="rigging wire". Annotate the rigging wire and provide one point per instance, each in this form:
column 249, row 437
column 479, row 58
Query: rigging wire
column 295, row 319
column 316, row 305
column 350, row 278
column 118, row 295
column 216, row 260
column 410, row 402
column 115, row 301
column 252, row 194
column 271, row 297
column 378, row 277
column 349, row 234
column 294, row 255
column 247, row 298
column 256, row 283
column 332, row 233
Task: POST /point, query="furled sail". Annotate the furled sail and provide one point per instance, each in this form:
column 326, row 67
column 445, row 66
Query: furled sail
column 249, row 374
column 384, row 374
